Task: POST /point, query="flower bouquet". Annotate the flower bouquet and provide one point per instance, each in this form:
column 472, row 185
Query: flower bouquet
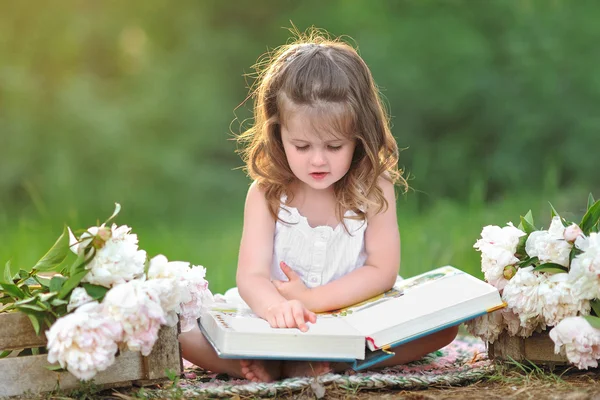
column 548, row 278
column 105, row 297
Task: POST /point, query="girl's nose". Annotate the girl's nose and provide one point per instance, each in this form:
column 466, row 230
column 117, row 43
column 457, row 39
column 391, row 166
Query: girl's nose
column 318, row 158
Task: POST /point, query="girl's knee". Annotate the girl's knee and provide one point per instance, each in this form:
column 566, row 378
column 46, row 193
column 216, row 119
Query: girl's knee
column 447, row 335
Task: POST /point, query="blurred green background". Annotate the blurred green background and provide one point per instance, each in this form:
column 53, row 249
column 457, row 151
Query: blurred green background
column 495, row 103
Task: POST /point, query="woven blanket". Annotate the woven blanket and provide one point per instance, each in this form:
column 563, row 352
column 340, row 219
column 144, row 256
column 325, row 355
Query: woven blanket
column 463, row 361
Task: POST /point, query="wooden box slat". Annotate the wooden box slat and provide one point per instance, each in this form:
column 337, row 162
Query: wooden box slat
column 16, row 332
column 165, row 356
column 28, row 373
column 538, row 348
column 21, row 374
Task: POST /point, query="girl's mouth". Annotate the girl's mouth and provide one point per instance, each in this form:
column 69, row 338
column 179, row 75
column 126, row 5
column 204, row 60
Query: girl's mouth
column 318, row 175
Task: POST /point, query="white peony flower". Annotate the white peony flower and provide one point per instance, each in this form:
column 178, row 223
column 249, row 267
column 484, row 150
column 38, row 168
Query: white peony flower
column 117, row 258
column 498, row 247
column 161, row 268
column 522, row 296
column 169, row 297
column 79, row 297
column 578, row 340
column 513, row 324
column 550, row 245
column 199, row 295
column 84, row 341
column 558, row 300
column 137, row 307
column 487, row 327
column 584, row 273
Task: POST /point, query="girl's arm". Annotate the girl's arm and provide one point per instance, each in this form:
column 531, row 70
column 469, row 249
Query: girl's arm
column 382, row 244
column 253, row 273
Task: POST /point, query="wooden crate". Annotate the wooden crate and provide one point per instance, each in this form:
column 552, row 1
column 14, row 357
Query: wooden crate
column 538, row 348
column 28, row 373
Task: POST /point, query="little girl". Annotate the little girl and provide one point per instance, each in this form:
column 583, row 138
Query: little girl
column 320, row 230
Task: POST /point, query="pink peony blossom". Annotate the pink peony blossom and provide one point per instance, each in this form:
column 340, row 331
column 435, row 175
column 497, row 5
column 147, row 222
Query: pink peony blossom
column 189, row 293
column 85, row 341
column 576, row 338
column 137, row 308
column 572, row 232
column 199, row 295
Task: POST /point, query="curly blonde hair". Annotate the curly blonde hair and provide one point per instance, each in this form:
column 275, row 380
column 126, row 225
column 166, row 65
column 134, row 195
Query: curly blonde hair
column 328, row 76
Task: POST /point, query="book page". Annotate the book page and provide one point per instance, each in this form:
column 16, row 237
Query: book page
column 440, row 291
column 401, row 287
column 244, row 320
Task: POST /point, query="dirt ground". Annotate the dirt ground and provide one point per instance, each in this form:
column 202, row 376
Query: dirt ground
column 507, row 383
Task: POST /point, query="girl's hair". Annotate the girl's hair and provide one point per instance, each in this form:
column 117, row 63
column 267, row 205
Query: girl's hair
column 328, row 77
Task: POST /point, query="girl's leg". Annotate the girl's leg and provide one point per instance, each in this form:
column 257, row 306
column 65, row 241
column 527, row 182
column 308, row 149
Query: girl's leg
column 419, row 348
column 196, row 349
column 405, row 353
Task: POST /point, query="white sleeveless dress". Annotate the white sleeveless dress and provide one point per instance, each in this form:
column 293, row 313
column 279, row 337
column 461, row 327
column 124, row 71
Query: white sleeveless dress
column 318, row 255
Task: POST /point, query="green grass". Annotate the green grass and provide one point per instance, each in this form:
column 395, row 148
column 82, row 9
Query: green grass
column 441, row 234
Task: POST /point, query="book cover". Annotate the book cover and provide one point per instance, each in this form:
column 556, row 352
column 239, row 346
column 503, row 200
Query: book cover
column 365, row 332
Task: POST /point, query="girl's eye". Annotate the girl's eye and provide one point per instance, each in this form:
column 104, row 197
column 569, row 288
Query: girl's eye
column 302, row 148
column 334, row 148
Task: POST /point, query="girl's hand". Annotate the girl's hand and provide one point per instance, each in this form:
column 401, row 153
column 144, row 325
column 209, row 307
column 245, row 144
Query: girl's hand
column 290, row 314
column 294, row 288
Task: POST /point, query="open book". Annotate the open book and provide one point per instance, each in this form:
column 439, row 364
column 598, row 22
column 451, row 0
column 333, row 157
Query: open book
column 363, row 333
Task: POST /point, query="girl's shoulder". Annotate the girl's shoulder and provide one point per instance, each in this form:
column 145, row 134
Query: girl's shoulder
column 256, row 197
column 388, row 192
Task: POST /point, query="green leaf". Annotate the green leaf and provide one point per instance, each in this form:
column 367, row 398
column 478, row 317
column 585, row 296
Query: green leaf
column 96, row 292
column 591, row 201
column 25, row 301
column 45, row 282
column 35, row 322
column 46, row 296
column 114, row 214
column 5, row 353
column 82, row 259
column 28, row 282
column 56, row 254
column 33, row 307
column 593, row 321
column 527, row 223
column 596, row 307
column 590, row 218
column 554, row 212
column 171, row 375
column 58, row 302
column 7, row 273
column 71, row 283
column 527, row 262
column 56, row 283
column 13, row 290
column 146, row 265
column 551, row 268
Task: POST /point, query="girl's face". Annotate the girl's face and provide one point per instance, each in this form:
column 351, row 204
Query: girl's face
column 318, row 159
